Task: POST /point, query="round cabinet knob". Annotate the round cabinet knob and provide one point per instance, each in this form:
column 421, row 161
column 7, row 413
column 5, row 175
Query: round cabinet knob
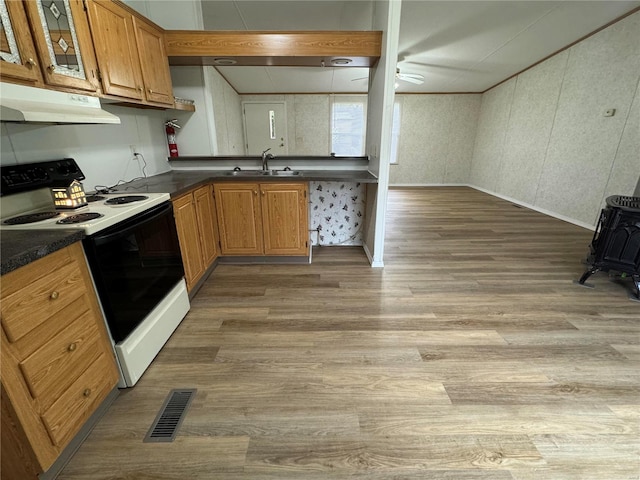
column 139, row 89
column 255, row 192
column 54, row 295
column 86, row 392
column 72, row 347
column 30, row 62
column 150, row 91
column 263, row 193
column 51, row 67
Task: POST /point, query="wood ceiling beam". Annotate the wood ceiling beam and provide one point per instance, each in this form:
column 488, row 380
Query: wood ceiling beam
column 195, row 47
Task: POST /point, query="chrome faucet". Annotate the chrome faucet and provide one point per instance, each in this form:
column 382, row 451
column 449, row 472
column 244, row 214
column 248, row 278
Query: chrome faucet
column 265, row 160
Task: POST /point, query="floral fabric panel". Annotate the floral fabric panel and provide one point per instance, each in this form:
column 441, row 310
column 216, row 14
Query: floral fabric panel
column 337, row 212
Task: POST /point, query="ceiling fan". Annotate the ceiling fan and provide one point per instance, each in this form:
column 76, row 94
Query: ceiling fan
column 415, row 78
column 410, row 77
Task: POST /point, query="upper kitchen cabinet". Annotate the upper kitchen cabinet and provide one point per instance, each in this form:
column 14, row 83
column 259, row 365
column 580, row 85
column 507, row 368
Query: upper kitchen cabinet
column 17, row 53
column 61, row 35
column 131, row 55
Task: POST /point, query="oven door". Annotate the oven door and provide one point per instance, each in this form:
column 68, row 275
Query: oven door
column 135, row 264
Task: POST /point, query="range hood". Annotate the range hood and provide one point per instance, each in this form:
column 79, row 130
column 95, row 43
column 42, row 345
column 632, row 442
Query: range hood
column 19, row 103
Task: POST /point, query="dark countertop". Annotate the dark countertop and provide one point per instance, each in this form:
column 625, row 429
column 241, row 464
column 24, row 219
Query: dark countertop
column 20, row 247
column 177, row 182
column 214, row 158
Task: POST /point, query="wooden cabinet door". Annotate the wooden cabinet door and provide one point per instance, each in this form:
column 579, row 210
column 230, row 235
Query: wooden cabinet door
column 285, row 219
column 206, row 213
column 184, row 211
column 154, row 63
column 61, row 34
column 17, row 52
column 113, row 31
column 239, row 218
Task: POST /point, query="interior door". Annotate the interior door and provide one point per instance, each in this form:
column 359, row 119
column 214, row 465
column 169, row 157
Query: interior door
column 265, row 126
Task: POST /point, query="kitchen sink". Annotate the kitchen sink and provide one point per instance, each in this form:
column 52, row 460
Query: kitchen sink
column 248, row 173
column 261, row 173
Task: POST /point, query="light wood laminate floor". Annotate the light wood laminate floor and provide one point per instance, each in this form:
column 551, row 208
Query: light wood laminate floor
column 470, row 356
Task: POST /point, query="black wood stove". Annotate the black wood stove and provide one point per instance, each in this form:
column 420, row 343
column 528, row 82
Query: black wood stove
column 616, row 242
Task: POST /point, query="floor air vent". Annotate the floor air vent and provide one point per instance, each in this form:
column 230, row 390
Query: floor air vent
column 167, row 422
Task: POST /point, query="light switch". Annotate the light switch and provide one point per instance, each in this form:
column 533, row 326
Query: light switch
column 610, row 113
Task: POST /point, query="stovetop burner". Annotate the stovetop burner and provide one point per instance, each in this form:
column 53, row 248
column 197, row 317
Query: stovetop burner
column 125, row 199
column 94, row 198
column 79, row 218
column 30, row 218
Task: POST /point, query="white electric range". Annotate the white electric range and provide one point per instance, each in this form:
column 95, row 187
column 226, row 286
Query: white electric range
column 102, row 211
column 132, row 250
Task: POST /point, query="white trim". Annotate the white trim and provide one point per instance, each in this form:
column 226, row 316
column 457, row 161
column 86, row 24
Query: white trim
column 537, row 209
column 503, row 197
column 374, row 264
column 429, row 185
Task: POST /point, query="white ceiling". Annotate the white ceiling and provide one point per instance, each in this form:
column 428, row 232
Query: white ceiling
column 458, row 46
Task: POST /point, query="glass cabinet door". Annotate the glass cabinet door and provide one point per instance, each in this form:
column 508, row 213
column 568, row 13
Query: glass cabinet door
column 17, row 53
column 62, row 37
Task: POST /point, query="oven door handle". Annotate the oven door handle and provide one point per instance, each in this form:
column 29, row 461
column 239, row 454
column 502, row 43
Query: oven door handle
column 126, row 227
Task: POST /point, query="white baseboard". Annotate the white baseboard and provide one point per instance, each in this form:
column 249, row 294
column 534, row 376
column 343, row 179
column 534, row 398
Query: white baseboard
column 537, row 209
column 503, row 197
column 370, row 257
column 415, row 185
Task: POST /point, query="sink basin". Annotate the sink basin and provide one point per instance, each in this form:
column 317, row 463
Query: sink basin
column 248, row 173
column 284, row 173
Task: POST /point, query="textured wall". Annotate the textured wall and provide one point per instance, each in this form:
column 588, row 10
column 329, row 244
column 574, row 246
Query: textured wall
column 227, row 113
column 543, row 138
column 436, row 140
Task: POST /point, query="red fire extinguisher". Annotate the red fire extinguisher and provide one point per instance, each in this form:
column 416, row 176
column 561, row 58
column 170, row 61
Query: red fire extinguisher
column 170, row 127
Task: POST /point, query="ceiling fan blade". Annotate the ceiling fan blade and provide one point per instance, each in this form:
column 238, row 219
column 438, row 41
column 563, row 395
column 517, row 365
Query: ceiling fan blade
column 416, row 79
column 417, row 76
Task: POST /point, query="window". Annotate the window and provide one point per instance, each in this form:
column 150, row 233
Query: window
column 348, row 125
column 395, row 133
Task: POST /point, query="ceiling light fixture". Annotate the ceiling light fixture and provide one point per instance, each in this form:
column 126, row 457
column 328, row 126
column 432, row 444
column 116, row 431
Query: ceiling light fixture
column 341, row 61
column 224, row 61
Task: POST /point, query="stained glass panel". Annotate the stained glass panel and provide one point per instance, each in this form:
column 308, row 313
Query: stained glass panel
column 8, row 47
column 60, row 33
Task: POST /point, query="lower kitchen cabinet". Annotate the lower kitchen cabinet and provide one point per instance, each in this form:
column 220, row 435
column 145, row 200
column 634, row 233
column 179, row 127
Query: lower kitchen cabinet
column 57, row 362
column 194, row 213
column 263, row 218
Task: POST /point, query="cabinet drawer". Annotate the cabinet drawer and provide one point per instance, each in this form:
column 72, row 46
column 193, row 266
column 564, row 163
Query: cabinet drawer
column 25, row 309
column 67, row 415
column 52, row 368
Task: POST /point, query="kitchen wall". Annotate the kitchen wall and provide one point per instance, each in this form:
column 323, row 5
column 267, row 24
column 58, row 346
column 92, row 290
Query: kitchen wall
column 102, row 151
column 437, row 134
column 227, row 112
column 543, row 139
